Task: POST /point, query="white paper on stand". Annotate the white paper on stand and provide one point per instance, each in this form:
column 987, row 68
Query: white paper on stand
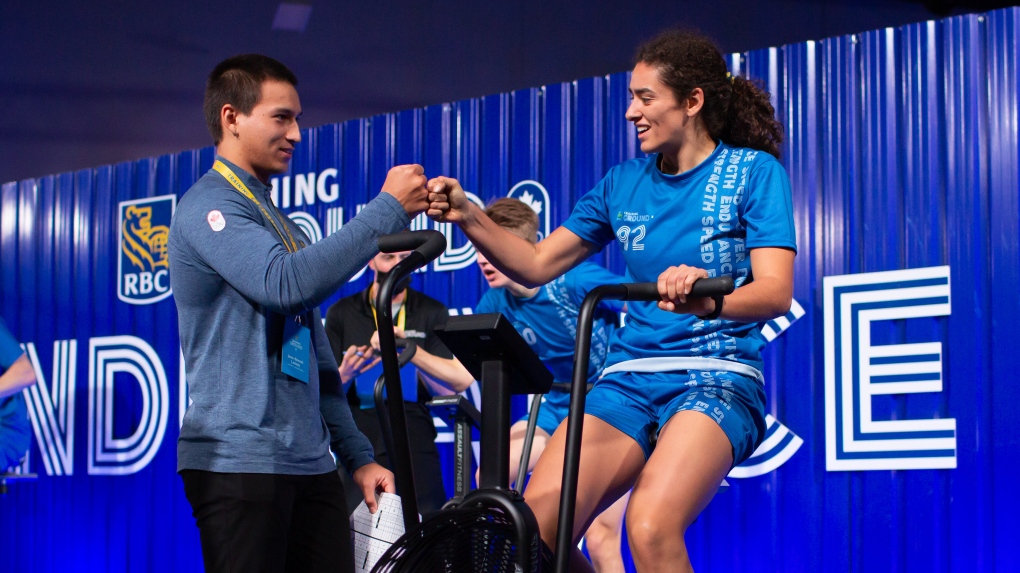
column 374, row 533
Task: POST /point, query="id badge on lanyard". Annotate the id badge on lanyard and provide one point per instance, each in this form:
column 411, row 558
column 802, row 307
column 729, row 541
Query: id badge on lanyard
column 296, row 354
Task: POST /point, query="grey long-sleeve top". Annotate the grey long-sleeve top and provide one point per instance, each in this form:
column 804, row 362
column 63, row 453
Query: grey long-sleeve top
column 235, row 285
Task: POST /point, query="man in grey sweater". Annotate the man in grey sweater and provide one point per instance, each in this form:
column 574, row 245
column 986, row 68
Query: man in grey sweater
column 254, row 447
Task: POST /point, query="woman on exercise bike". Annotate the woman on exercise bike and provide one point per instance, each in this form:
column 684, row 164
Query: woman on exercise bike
column 709, row 199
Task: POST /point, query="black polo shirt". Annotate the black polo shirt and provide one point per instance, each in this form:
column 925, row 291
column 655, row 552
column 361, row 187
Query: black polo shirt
column 349, row 321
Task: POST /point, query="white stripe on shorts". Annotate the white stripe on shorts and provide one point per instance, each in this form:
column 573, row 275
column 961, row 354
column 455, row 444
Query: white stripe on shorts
column 673, row 363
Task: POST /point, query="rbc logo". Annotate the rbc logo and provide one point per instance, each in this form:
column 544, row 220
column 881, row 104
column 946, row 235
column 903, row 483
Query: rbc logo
column 534, row 195
column 142, row 268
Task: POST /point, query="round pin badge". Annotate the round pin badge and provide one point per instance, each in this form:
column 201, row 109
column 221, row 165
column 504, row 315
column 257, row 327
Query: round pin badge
column 216, row 220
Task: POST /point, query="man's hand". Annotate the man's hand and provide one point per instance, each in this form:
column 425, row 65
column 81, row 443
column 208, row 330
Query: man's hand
column 407, row 184
column 447, row 201
column 675, row 284
column 356, row 360
column 373, row 478
column 374, row 342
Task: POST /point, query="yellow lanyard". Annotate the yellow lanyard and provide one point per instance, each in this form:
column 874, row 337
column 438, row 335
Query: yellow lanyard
column 227, row 174
column 401, row 315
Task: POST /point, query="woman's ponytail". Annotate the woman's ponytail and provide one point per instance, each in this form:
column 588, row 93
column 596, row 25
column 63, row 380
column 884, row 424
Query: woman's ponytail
column 751, row 120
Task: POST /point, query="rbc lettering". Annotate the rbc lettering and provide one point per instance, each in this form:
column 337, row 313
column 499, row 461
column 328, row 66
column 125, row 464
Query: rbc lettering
column 144, row 283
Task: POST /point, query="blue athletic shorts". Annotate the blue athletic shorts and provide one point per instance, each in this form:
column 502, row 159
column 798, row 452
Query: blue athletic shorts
column 639, row 403
column 555, row 407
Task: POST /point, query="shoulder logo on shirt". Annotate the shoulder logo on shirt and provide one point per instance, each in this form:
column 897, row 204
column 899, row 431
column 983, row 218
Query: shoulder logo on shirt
column 534, row 195
column 632, row 217
column 216, row 220
column 142, row 268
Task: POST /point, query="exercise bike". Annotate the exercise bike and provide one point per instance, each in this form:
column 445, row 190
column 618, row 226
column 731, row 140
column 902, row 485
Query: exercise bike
column 491, row 529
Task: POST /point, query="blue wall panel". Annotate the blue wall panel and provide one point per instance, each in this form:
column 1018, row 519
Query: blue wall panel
column 1003, row 163
column 965, row 201
column 923, row 224
column 902, row 148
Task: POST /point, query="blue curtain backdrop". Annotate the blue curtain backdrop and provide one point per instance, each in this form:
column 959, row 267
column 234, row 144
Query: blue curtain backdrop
column 902, row 150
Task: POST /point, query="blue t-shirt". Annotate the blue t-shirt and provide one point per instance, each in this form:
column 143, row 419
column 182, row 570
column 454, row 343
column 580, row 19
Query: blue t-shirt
column 548, row 319
column 15, row 432
column 709, row 217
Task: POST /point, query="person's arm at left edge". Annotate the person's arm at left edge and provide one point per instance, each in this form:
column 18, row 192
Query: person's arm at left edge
column 351, row 446
column 18, row 373
column 19, row 376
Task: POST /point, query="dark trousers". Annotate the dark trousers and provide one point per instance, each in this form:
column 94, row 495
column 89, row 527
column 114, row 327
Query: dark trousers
column 269, row 522
column 428, row 472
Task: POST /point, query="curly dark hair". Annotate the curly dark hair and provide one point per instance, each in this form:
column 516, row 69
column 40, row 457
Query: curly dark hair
column 736, row 110
column 238, row 81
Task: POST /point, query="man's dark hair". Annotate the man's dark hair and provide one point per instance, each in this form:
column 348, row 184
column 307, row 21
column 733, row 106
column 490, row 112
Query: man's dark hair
column 238, row 81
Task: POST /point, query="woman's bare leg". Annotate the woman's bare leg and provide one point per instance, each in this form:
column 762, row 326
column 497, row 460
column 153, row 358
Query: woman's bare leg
column 691, row 458
column 610, row 462
column 604, row 537
column 517, row 432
